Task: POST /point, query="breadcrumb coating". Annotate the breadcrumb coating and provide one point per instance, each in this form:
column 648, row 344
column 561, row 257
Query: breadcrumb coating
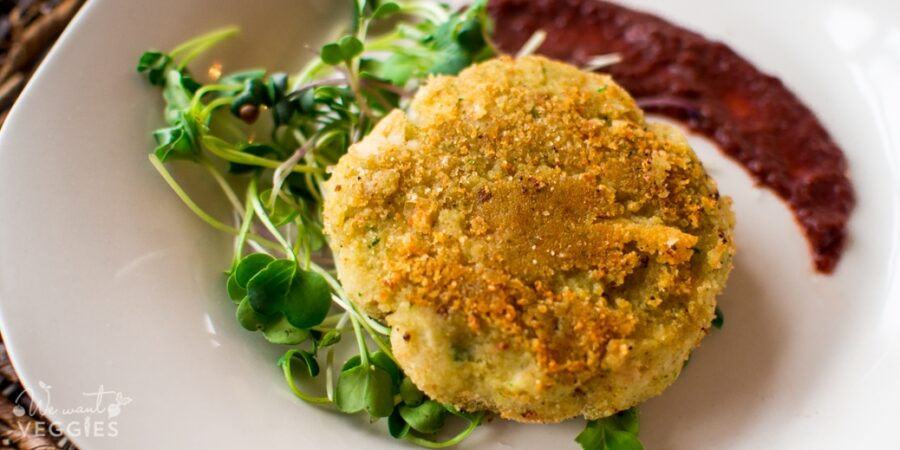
column 537, row 247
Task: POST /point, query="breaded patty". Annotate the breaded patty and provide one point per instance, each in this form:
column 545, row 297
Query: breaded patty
column 538, row 249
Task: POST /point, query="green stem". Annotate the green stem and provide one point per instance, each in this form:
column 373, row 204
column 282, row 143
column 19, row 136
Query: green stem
column 310, row 159
column 335, row 285
column 264, row 218
column 427, row 10
column 309, row 71
column 410, row 32
column 329, row 373
column 361, row 341
column 393, row 36
column 339, row 290
column 216, row 35
column 222, row 182
column 379, row 343
column 210, row 220
column 298, row 244
column 366, row 323
column 241, row 238
column 199, row 212
column 328, row 136
column 321, row 161
column 286, row 167
column 416, row 51
column 200, row 44
column 450, row 442
column 198, row 96
column 353, row 81
column 289, row 378
column 310, row 184
column 209, row 108
column 307, row 251
column 225, row 151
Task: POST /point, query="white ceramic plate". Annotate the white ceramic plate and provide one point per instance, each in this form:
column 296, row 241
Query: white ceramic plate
column 107, row 280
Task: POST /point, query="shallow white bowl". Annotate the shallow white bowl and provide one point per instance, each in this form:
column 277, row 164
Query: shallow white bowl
column 107, row 280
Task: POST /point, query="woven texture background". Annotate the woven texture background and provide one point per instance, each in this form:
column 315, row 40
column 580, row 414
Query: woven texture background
column 28, row 28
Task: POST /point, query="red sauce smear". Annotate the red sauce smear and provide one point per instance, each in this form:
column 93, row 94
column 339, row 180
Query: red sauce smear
column 672, row 71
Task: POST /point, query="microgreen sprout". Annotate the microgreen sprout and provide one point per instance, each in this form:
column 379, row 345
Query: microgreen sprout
column 616, row 432
column 280, row 281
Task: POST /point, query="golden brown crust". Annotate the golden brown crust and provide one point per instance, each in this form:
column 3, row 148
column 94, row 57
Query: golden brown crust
column 527, row 211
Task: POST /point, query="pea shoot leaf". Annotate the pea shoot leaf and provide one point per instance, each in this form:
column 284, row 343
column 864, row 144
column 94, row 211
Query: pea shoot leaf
column 380, row 360
column 249, row 266
column 277, row 86
column 383, row 361
column 450, row 62
column 616, row 432
column 308, row 360
column 593, row 437
column 252, row 149
column 181, row 139
column 188, row 82
column 352, row 387
column 343, row 51
column 242, row 76
column 178, row 141
column 459, row 42
column 426, row 418
column 283, row 108
column 410, row 393
column 253, row 93
column 326, row 339
column 312, row 366
column 235, row 292
column 627, row 421
column 397, row 69
column 470, row 35
column 268, row 288
column 282, row 212
column 250, row 319
column 351, row 362
column 178, row 101
column 282, row 332
column 155, row 64
column 308, row 300
column 364, row 388
column 379, row 397
column 351, row 47
column 332, row 54
column 444, row 48
column 397, row 427
column 385, row 10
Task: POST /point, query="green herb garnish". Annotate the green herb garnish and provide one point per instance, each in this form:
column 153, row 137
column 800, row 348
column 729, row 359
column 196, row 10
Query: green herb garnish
column 277, row 281
column 616, row 432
